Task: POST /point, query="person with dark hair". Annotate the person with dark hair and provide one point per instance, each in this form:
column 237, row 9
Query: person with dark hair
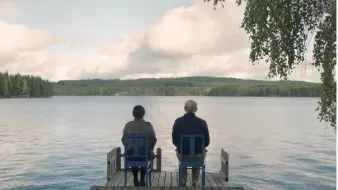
column 139, row 125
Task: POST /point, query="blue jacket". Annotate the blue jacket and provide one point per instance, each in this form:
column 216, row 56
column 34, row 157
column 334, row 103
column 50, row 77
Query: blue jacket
column 189, row 123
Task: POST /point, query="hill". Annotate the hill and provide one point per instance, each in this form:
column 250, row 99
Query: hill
column 187, row 86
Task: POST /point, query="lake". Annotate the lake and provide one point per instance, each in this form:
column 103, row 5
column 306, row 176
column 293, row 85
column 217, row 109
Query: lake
column 62, row 142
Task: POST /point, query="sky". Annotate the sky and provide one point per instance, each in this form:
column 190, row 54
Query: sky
column 83, row 39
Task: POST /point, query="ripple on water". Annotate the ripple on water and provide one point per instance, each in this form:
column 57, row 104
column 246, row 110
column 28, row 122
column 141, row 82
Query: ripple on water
column 62, row 142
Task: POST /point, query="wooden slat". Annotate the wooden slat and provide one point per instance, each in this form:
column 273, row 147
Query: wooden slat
column 168, row 179
column 130, row 181
column 207, row 183
column 124, row 188
column 218, row 181
column 211, row 180
column 155, row 178
column 174, row 179
column 121, row 182
column 220, row 176
column 167, row 182
column 189, row 181
column 117, row 178
column 161, row 179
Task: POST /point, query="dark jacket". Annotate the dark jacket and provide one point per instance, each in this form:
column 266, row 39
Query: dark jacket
column 190, row 124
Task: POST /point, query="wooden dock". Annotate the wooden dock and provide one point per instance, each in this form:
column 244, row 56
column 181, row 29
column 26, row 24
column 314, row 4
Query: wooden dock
column 162, row 180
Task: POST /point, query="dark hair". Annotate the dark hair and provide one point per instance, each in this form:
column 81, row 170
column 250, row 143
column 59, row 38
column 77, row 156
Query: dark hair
column 139, row 112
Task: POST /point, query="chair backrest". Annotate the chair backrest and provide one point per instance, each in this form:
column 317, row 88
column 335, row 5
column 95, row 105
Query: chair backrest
column 192, row 139
column 136, row 137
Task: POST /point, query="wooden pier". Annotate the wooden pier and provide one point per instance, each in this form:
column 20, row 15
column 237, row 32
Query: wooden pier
column 162, row 180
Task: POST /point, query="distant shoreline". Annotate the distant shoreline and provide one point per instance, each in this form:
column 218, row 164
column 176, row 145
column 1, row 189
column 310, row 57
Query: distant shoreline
column 183, row 96
column 187, row 86
column 23, row 97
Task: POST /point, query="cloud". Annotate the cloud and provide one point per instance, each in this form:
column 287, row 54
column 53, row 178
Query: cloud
column 185, row 41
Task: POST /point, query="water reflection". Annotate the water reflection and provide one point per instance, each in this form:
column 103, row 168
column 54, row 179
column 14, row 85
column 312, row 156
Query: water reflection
column 274, row 143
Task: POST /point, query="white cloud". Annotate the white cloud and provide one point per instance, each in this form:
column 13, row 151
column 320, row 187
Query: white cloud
column 185, row 41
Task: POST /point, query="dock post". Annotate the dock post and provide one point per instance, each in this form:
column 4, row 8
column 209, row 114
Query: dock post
column 110, row 164
column 225, row 164
column 113, row 162
column 158, row 160
column 118, row 158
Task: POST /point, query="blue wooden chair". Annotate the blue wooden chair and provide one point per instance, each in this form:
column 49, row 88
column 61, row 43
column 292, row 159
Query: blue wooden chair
column 129, row 159
column 191, row 160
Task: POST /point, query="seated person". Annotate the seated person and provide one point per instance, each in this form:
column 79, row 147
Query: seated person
column 139, row 125
column 189, row 123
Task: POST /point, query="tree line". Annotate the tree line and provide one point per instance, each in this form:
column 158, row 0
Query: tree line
column 24, row 86
column 267, row 90
column 187, row 86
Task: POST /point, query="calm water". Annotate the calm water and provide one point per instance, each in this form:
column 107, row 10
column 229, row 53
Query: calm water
column 62, row 142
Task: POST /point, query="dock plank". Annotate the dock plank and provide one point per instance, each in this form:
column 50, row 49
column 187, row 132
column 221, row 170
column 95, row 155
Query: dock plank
column 219, row 181
column 174, row 179
column 118, row 177
column 169, row 179
column 211, row 180
column 130, row 181
column 207, row 183
column 219, row 176
column 155, row 178
column 161, row 179
column 124, row 188
column 189, row 181
column 167, row 182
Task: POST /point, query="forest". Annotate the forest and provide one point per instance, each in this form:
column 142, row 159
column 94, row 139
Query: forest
column 186, row 86
column 17, row 86
column 34, row 86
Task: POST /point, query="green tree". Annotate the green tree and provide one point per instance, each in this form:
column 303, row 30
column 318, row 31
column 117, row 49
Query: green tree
column 18, row 85
column 24, row 87
column 280, row 32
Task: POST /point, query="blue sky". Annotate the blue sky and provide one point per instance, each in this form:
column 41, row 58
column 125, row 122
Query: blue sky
column 95, row 21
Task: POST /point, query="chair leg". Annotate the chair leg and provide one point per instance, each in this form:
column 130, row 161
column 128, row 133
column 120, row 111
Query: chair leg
column 146, row 177
column 125, row 177
column 179, row 176
column 203, row 177
column 150, row 178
